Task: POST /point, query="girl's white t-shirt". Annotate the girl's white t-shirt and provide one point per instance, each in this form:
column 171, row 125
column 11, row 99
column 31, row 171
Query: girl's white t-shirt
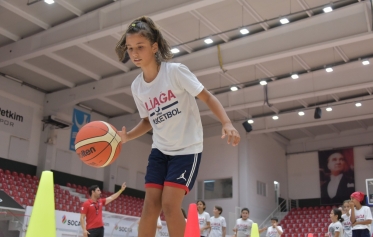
column 335, row 227
column 347, row 225
column 169, row 103
column 361, row 215
column 272, row 232
column 217, row 225
column 243, row 227
column 203, row 219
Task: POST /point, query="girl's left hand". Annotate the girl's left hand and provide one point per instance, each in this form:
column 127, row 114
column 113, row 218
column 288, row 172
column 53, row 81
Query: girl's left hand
column 232, row 133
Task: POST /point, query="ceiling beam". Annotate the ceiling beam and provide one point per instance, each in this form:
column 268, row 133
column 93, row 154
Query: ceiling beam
column 209, row 25
column 104, row 57
column 335, row 97
column 24, row 14
column 273, row 108
column 266, row 72
column 76, row 32
column 334, row 128
column 307, row 132
column 362, row 124
column 176, row 40
column 302, row 63
column 369, row 90
column 68, row 6
column 46, row 74
column 368, row 15
column 341, row 53
column 249, row 9
column 118, row 105
column 230, row 78
column 305, row 6
column 73, row 66
column 280, row 138
column 9, row 34
column 244, row 114
column 304, row 103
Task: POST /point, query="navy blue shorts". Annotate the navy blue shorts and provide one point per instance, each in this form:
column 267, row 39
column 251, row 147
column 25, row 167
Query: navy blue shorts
column 178, row 171
column 361, row 233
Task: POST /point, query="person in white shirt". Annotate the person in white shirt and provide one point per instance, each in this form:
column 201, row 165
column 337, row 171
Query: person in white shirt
column 243, row 224
column 347, row 225
column 274, row 230
column 217, row 223
column 165, row 96
column 203, row 218
column 335, row 229
column 361, row 216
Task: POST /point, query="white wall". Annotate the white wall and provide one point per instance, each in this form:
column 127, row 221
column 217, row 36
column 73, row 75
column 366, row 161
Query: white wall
column 303, row 172
column 266, row 163
column 33, row 99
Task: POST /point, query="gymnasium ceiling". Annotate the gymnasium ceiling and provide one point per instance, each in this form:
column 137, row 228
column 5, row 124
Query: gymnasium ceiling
column 66, row 50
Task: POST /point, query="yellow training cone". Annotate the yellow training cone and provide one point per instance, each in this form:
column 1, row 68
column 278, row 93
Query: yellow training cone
column 254, row 230
column 43, row 220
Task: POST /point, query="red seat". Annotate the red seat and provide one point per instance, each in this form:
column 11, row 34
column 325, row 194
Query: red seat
column 7, row 172
column 68, row 185
column 15, row 173
column 73, row 185
column 28, row 176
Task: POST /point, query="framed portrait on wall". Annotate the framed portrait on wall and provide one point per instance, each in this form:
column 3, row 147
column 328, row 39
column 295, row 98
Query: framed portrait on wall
column 337, row 177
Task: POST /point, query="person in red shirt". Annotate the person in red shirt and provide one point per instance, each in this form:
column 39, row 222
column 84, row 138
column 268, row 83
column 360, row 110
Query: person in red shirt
column 91, row 211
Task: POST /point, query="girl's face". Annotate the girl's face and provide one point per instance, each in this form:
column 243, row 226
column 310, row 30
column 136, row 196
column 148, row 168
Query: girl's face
column 200, row 206
column 245, row 214
column 346, row 207
column 216, row 212
column 333, row 217
column 140, row 50
column 355, row 201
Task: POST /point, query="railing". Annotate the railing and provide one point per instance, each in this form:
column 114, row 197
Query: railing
column 277, row 209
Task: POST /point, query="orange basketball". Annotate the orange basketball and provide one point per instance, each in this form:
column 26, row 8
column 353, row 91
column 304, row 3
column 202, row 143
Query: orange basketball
column 98, row 144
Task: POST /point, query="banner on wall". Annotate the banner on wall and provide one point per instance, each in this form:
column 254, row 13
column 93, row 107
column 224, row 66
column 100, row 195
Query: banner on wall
column 80, row 118
column 337, row 177
column 114, row 225
column 15, row 118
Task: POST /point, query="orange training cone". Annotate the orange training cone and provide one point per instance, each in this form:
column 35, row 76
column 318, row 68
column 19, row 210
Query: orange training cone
column 192, row 225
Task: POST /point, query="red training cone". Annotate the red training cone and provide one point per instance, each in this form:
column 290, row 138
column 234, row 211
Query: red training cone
column 192, row 225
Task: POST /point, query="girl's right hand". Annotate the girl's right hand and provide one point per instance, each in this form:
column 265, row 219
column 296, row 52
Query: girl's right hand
column 123, row 135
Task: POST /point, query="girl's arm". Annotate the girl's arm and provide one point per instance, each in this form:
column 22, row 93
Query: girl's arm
column 278, row 230
column 224, row 231
column 366, row 222
column 140, row 129
column 215, row 106
column 336, row 234
column 352, row 217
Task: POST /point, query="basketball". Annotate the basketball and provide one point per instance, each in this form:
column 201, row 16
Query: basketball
column 98, row 144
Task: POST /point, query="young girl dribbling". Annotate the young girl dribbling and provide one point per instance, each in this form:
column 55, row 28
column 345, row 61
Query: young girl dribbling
column 164, row 94
column 335, row 228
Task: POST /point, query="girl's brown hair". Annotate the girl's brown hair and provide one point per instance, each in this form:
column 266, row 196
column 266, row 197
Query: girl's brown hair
column 147, row 28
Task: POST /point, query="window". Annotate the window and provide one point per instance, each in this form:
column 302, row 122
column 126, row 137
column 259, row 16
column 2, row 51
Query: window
column 261, row 188
column 214, row 189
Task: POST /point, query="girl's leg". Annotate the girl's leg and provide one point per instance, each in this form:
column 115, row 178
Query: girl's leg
column 171, row 205
column 150, row 212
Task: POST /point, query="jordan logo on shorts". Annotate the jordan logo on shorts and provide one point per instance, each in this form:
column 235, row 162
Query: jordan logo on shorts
column 182, row 176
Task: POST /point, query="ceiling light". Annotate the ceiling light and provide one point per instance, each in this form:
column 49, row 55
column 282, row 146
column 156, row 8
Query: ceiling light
column 284, row 21
column 365, row 62
column 358, row 104
column 328, row 69
column 208, row 41
column 263, row 83
column 250, row 121
column 49, row 1
column 234, row 88
column 244, row 31
column 300, row 113
column 327, row 9
column 275, row 117
column 295, row 76
column 175, row 50
column 329, row 109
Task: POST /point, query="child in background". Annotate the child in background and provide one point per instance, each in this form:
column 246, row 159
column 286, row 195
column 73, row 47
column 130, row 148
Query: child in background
column 361, row 217
column 217, row 223
column 203, row 218
column 243, row 224
column 274, row 230
column 335, row 229
column 347, row 225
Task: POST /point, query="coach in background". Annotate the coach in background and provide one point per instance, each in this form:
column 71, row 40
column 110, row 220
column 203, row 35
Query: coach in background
column 92, row 211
